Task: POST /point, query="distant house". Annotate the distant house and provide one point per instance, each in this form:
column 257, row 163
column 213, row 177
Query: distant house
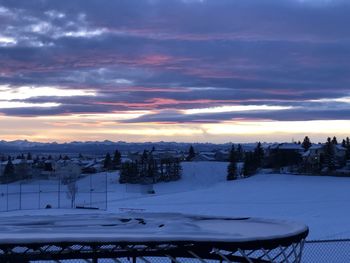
column 135, row 156
column 344, row 171
column 157, row 155
column 340, row 154
column 313, row 155
column 204, row 156
column 222, row 155
column 93, row 166
column 287, row 155
column 316, row 154
column 167, row 154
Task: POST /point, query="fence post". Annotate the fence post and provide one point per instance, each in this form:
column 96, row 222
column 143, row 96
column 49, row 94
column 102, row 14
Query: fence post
column 7, row 196
column 106, row 190
column 39, row 201
column 59, row 190
column 90, row 190
column 20, row 196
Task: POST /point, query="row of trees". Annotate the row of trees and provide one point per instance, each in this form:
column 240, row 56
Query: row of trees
column 251, row 161
column 112, row 164
column 148, row 170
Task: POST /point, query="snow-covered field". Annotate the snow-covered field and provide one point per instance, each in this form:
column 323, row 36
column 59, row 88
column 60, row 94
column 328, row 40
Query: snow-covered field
column 321, row 202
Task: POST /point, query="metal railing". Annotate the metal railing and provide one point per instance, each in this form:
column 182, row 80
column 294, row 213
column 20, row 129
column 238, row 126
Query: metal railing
column 315, row 251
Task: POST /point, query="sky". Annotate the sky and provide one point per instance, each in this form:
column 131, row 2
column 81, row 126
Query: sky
column 174, row 70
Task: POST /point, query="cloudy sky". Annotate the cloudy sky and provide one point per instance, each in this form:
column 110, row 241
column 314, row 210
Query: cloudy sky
column 174, row 70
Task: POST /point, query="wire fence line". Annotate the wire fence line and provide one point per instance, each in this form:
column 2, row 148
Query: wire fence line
column 87, row 192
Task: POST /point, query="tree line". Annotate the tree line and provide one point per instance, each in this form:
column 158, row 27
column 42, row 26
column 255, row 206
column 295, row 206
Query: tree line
column 149, row 170
column 277, row 158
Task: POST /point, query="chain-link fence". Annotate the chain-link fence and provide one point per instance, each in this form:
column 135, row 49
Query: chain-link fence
column 86, row 192
column 327, row 251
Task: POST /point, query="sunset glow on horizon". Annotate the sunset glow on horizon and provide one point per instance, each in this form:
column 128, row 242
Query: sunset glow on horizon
column 176, row 70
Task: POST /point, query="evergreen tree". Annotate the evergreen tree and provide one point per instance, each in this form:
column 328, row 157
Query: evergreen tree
column 20, row 157
column 231, row 171
column 306, row 143
column 144, row 157
column 239, row 153
column 334, row 141
column 117, row 159
column 178, row 169
column 152, row 170
column 9, row 168
column 107, row 164
column 249, row 166
column 347, row 146
column 232, row 166
column 258, row 155
column 329, row 154
column 191, row 154
column 29, row 156
column 128, row 173
column 233, row 154
column 343, row 143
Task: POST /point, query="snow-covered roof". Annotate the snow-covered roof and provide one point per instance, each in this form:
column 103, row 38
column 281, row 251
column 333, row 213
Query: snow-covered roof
column 290, row 146
column 316, row 147
column 307, row 153
column 207, row 153
column 340, row 148
column 224, row 151
column 131, row 227
column 89, row 164
column 18, row 161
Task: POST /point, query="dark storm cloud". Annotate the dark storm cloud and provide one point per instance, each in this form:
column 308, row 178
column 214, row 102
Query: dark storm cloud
column 174, row 54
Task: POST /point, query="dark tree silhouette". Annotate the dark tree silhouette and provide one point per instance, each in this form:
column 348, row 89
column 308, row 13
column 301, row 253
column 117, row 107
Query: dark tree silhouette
column 249, row 166
column 117, row 159
column 329, row 157
column 347, row 143
column 107, row 164
column 191, row 154
column 334, row 141
column 258, row 155
column 9, row 168
column 240, row 153
column 306, row 143
column 343, row 143
column 232, row 166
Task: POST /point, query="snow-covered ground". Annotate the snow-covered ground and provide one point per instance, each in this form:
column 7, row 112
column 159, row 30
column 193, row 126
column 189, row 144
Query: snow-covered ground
column 318, row 201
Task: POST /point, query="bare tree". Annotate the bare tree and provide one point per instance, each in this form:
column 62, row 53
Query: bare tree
column 72, row 191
